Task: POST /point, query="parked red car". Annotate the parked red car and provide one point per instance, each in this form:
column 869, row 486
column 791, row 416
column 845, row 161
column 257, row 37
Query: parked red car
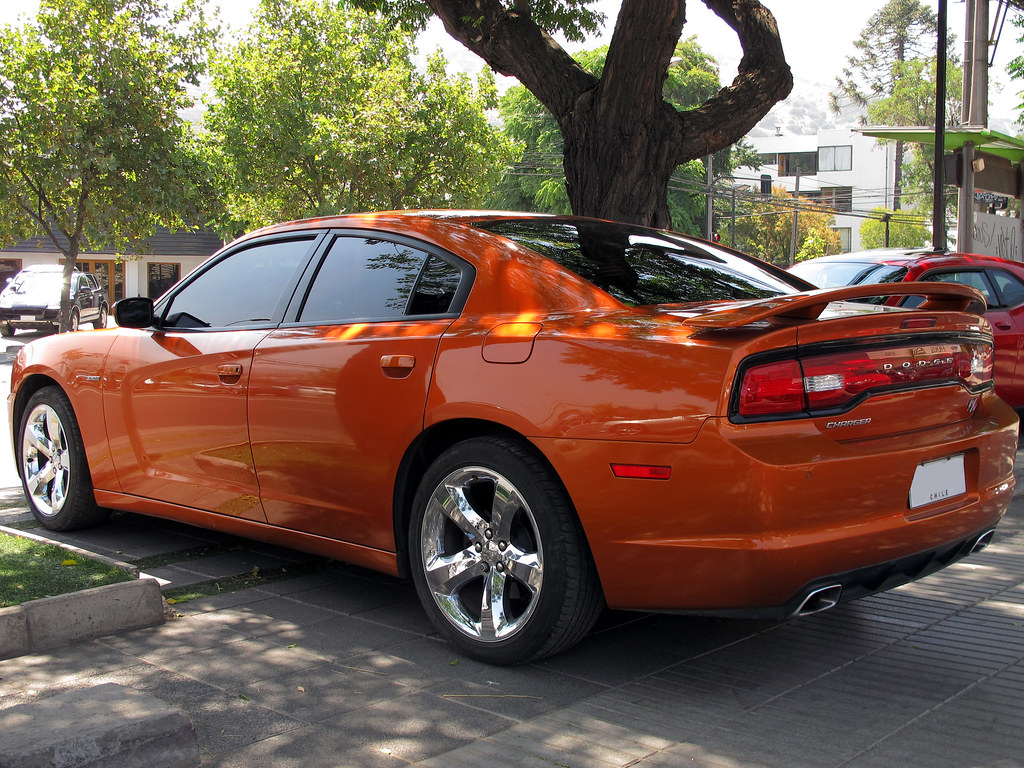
column 1001, row 282
column 533, row 417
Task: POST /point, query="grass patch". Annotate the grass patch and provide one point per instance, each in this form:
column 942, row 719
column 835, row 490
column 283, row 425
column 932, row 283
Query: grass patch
column 30, row 570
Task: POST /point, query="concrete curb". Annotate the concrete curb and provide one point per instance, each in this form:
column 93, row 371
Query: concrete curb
column 71, row 548
column 106, row 725
column 51, row 622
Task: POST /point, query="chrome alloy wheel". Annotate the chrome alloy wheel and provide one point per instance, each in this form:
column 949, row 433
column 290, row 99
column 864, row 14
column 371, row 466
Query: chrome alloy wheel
column 481, row 553
column 46, row 460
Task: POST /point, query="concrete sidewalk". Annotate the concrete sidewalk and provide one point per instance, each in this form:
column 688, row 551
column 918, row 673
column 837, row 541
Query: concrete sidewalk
column 341, row 668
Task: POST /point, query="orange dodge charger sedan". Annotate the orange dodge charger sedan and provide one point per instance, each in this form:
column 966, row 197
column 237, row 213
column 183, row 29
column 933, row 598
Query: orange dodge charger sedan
column 534, row 417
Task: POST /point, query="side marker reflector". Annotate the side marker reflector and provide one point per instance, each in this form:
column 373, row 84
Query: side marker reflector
column 642, row 471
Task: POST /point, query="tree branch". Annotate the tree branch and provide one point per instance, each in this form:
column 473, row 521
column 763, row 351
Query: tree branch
column 514, row 45
column 652, row 27
column 762, row 80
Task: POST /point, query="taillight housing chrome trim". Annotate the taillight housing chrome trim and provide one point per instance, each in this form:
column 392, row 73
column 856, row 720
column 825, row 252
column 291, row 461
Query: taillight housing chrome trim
column 834, row 377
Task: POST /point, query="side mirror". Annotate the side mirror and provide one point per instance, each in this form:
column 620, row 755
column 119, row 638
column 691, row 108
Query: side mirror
column 135, row 312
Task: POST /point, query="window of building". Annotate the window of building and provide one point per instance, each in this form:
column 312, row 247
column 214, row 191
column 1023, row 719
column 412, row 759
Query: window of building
column 838, row 158
column 839, row 199
column 845, row 238
column 161, row 277
column 793, row 163
column 767, row 158
column 104, row 270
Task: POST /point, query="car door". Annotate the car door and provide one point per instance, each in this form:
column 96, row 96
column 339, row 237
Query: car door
column 175, row 396
column 83, row 296
column 1006, row 328
column 337, row 395
column 1009, row 323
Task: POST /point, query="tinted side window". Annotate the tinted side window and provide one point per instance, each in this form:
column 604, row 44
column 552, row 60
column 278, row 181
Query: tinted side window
column 363, row 278
column 1010, row 287
column 245, row 287
column 436, row 289
column 974, row 279
column 643, row 266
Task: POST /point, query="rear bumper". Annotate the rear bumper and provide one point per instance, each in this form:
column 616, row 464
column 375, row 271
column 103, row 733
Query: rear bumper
column 755, row 518
column 828, row 591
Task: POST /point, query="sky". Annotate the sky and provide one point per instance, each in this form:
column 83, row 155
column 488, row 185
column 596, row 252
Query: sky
column 817, row 36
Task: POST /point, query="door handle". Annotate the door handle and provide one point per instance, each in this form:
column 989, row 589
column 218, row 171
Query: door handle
column 397, row 366
column 229, row 371
column 1003, row 326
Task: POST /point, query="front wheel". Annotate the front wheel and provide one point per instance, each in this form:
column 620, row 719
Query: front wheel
column 52, row 464
column 101, row 321
column 498, row 557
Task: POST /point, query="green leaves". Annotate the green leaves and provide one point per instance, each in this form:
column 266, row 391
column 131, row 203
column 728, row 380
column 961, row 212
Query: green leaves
column 89, row 115
column 319, row 110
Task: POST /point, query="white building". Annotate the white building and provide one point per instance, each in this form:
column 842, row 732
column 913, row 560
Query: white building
column 843, row 169
column 168, row 258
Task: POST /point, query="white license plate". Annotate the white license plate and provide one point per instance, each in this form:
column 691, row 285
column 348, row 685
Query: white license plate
column 938, row 480
column 28, row 317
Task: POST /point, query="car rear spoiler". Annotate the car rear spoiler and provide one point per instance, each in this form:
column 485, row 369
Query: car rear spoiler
column 938, row 297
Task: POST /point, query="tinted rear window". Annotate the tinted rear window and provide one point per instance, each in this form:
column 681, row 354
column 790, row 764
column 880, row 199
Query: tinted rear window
column 641, row 266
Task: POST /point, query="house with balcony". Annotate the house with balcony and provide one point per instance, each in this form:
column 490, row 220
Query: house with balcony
column 842, row 169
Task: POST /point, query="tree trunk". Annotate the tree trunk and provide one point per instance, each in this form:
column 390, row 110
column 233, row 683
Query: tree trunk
column 622, row 139
column 70, row 259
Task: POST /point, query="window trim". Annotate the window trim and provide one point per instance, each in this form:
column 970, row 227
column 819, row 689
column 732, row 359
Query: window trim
column 315, row 238
column 305, row 284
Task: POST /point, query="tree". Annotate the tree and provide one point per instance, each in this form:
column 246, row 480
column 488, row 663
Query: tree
column 766, row 229
column 905, row 231
column 1016, row 68
column 319, row 110
column 912, row 102
column 621, row 140
column 93, row 150
column 901, row 31
column 537, row 181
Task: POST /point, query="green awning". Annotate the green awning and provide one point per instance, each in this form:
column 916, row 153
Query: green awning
column 986, row 140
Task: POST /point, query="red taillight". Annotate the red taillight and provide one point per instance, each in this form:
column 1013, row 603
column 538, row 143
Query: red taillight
column 831, row 381
column 773, row 388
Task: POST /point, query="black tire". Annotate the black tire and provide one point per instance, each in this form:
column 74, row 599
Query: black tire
column 101, row 321
column 74, row 320
column 52, row 464
column 535, row 562
column 6, row 330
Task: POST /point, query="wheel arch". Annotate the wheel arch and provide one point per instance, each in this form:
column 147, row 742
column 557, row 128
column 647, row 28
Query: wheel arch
column 430, row 444
column 28, row 387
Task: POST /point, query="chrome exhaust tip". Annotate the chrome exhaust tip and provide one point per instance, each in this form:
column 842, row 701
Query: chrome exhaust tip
column 820, row 599
column 983, row 541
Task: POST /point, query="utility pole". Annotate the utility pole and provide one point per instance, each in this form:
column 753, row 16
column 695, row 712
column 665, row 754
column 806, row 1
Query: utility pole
column 939, row 205
column 974, row 112
column 796, row 214
column 709, row 210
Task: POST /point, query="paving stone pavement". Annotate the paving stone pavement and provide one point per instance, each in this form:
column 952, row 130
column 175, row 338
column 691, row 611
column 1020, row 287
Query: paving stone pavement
column 339, row 667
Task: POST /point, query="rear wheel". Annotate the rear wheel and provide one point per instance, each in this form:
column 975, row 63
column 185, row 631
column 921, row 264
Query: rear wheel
column 52, row 464
column 74, row 320
column 101, row 321
column 6, row 330
column 499, row 560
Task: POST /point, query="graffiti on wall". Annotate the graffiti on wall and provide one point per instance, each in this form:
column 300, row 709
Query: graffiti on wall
column 999, row 236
